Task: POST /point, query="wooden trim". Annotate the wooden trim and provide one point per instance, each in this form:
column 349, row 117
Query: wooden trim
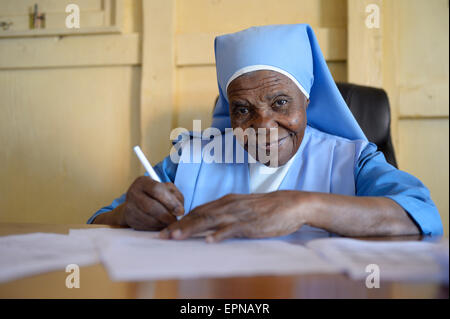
column 113, row 12
column 422, row 117
column 60, row 32
column 365, row 45
column 198, row 48
column 46, row 6
column 71, row 51
column 437, row 110
column 158, row 77
column 117, row 13
column 106, row 6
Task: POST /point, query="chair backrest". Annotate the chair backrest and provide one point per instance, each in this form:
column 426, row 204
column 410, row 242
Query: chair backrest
column 370, row 107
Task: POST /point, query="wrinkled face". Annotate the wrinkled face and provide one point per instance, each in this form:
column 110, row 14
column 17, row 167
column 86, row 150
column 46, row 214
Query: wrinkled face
column 270, row 100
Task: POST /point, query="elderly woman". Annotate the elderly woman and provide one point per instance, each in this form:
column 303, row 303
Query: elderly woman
column 327, row 176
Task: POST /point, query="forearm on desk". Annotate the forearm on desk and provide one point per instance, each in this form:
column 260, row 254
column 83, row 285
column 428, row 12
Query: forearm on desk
column 355, row 216
column 114, row 217
column 351, row 216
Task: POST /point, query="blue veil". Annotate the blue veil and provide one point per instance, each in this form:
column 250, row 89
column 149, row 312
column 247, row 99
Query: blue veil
column 292, row 50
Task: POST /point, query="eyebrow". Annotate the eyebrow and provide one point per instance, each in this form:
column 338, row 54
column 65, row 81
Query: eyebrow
column 277, row 93
column 240, row 103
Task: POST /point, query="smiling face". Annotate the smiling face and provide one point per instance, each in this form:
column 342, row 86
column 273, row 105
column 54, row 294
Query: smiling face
column 270, row 100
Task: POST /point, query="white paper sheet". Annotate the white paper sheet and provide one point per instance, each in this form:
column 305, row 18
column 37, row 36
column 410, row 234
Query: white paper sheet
column 409, row 261
column 31, row 254
column 135, row 256
column 103, row 233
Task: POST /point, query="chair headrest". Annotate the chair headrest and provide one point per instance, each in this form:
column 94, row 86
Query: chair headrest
column 370, row 106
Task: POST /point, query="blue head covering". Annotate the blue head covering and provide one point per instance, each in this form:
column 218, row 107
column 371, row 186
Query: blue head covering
column 292, row 50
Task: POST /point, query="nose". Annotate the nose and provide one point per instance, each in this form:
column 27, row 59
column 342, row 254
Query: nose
column 264, row 119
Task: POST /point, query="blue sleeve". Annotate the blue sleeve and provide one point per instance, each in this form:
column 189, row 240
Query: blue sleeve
column 166, row 170
column 375, row 177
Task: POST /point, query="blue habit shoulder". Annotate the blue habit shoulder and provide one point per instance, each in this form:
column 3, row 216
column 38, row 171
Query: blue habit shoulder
column 374, row 176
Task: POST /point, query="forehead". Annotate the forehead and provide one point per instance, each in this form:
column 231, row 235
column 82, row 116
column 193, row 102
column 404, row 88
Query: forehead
column 260, row 81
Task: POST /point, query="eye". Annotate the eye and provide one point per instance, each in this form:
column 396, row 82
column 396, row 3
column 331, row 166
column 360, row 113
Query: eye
column 281, row 102
column 241, row 110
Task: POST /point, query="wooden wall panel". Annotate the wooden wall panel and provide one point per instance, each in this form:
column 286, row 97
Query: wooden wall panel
column 234, row 15
column 408, row 56
column 158, row 78
column 423, row 151
column 365, row 45
column 422, row 67
column 198, row 48
column 70, row 51
column 70, row 116
column 67, row 137
column 196, row 93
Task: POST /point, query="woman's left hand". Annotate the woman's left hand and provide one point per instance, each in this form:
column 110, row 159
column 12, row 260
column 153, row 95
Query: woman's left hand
column 244, row 215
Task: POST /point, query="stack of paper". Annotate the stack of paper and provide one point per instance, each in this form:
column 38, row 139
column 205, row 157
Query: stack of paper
column 130, row 255
column 30, row 254
column 409, row 261
column 140, row 256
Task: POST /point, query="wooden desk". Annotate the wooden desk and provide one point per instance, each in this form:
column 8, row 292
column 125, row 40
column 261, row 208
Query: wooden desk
column 94, row 282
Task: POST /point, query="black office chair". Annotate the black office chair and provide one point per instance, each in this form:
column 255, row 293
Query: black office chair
column 370, row 107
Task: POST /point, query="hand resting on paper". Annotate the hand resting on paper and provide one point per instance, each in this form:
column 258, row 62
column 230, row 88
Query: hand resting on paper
column 283, row 212
column 236, row 215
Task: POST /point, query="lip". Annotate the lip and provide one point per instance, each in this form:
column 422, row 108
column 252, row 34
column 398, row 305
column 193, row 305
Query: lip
column 278, row 143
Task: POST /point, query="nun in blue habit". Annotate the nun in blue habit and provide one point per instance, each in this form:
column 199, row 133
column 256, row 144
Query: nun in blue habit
column 328, row 175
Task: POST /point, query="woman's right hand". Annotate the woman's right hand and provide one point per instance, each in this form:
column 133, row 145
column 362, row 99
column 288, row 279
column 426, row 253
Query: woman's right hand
column 151, row 205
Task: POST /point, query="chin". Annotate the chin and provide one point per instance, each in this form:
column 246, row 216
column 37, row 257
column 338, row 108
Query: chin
column 281, row 161
column 286, row 150
column 283, row 158
column 285, row 153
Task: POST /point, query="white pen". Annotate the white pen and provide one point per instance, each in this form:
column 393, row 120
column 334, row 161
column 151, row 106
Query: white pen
column 148, row 167
column 146, row 164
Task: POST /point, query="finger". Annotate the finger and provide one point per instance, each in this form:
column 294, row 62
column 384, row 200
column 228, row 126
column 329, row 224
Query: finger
column 142, row 221
column 205, row 217
column 172, row 188
column 152, row 207
column 223, row 233
column 161, row 193
column 189, row 226
column 215, row 207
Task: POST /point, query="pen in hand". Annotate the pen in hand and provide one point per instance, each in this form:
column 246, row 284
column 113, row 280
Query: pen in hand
column 148, row 167
column 146, row 164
